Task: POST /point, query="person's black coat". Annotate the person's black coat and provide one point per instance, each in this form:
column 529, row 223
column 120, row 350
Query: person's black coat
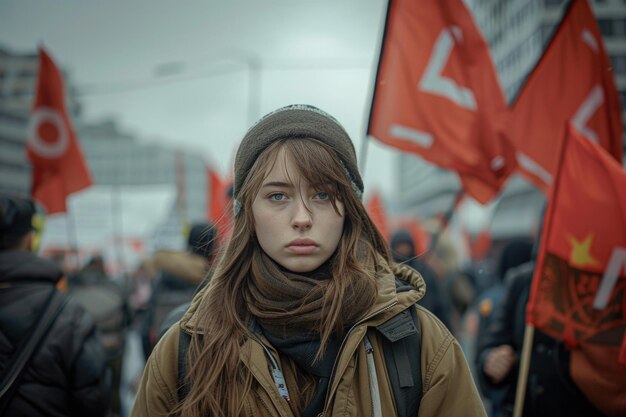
column 67, row 375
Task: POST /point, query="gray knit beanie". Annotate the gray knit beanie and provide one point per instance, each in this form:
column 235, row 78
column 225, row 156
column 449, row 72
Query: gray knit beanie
column 295, row 121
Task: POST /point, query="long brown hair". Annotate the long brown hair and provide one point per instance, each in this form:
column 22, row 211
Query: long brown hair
column 218, row 381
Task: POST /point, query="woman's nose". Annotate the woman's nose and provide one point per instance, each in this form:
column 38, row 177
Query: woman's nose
column 302, row 219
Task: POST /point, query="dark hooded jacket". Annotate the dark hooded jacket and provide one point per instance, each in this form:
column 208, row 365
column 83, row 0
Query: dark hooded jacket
column 435, row 300
column 67, row 375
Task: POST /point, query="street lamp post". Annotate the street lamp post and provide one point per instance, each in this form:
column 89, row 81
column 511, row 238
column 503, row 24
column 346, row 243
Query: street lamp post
column 252, row 62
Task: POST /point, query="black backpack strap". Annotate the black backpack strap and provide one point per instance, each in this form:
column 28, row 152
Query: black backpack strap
column 402, row 350
column 183, row 344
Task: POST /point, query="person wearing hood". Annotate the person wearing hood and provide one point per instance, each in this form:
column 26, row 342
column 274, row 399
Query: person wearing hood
column 180, row 274
column 67, row 375
column 435, row 300
column 288, row 324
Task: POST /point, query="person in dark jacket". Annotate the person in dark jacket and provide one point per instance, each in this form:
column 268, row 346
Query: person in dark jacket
column 550, row 389
column 435, row 300
column 67, row 375
column 514, row 253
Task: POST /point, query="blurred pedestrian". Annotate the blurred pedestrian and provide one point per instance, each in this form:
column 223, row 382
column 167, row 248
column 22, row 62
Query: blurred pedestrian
column 180, row 273
column 480, row 315
column 435, row 300
column 293, row 321
column 457, row 284
column 66, row 374
column 514, row 254
column 106, row 301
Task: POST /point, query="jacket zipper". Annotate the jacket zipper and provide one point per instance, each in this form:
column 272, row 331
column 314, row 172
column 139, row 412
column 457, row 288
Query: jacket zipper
column 371, row 370
column 277, row 374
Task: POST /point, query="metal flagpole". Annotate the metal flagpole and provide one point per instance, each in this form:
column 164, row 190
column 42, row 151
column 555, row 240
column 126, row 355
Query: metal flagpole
column 72, row 238
column 446, row 221
column 118, row 229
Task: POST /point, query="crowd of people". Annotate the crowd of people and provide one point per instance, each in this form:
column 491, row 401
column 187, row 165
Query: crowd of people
column 305, row 310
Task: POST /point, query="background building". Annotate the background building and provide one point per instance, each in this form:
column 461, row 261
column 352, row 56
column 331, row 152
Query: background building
column 130, row 177
column 115, row 158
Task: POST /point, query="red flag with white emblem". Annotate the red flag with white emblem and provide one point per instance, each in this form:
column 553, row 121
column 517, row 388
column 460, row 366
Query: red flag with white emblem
column 579, row 287
column 59, row 168
column 437, row 94
column 572, row 81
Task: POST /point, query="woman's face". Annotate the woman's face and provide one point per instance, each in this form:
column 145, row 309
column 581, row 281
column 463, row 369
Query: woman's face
column 297, row 238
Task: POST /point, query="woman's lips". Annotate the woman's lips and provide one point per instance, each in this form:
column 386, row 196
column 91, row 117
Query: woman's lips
column 302, row 246
column 302, row 249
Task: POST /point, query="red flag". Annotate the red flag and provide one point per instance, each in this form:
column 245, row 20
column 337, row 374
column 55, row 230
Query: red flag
column 437, row 94
column 217, row 195
column 578, row 292
column 572, row 81
column 376, row 209
column 59, row 168
column 219, row 208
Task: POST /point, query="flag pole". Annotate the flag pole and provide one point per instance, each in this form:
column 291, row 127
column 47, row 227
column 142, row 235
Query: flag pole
column 363, row 158
column 118, row 229
column 365, row 143
column 446, row 220
column 72, row 238
column 522, row 378
column 529, row 332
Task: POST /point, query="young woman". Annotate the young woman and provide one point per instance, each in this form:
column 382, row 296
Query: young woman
column 288, row 324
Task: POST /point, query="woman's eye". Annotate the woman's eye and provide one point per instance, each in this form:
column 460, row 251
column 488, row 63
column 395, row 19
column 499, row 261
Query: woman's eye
column 322, row 196
column 278, row 197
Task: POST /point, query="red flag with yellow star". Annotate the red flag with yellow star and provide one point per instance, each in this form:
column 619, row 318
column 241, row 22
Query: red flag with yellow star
column 578, row 293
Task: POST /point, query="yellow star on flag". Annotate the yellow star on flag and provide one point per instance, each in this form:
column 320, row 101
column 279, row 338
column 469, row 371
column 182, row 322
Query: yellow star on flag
column 581, row 255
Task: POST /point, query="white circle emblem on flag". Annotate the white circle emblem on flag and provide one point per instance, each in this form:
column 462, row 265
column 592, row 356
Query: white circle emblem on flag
column 47, row 147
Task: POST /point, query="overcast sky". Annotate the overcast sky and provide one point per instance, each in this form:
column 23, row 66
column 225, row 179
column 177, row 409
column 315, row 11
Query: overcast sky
column 320, row 52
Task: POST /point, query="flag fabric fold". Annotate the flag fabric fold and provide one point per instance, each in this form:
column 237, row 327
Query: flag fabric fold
column 572, row 81
column 579, row 285
column 437, row 94
column 59, row 168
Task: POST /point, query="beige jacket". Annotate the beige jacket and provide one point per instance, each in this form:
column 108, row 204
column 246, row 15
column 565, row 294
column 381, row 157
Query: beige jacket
column 448, row 387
